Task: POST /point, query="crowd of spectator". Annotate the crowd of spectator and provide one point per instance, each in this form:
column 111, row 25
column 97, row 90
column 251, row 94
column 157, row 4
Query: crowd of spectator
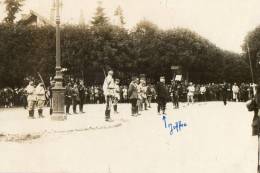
column 94, row 94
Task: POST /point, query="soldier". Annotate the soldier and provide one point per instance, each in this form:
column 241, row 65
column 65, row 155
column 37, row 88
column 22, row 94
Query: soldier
column 82, row 91
column 203, row 93
column 40, row 98
column 125, row 94
column 68, row 98
column 139, row 100
column 6, row 98
column 225, row 93
column 176, row 93
column 235, row 90
column 149, row 94
column 31, row 98
column 133, row 95
column 143, row 96
column 24, row 98
column 116, row 95
column 191, row 90
column 75, row 98
column 172, row 92
column 162, row 95
column 108, row 88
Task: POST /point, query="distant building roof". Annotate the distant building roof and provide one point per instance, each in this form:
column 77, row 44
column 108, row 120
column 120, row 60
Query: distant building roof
column 34, row 18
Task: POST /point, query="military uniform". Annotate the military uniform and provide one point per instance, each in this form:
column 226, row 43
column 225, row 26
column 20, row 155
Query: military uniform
column 149, row 95
column 40, row 98
column 82, row 91
column 139, row 99
column 175, row 94
column 133, row 96
column 31, row 99
column 224, row 93
column 75, row 98
column 108, row 88
column 116, row 95
column 162, row 95
column 68, row 97
column 143, row 90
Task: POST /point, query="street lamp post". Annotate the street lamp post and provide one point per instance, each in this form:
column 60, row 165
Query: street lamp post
column 58, row 90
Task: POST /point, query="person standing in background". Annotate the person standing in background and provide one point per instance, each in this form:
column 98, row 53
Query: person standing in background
column 116, row 96
column 68, row 98
column 133, row 95
column 225, row 93
column 162, row 95
column 82, row 91
column 191, row 90
column 108, row 88
column 40, row 98
column 31, row 98
column 235, row 90
column 75, row 98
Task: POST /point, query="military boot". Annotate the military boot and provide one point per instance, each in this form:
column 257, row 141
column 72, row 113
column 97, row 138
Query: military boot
column 107, row 113
column 115, row 109
column 40, row 113
column 31, row 114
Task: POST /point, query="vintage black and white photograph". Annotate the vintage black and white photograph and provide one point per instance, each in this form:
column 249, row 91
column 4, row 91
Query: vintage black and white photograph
column 129, row 86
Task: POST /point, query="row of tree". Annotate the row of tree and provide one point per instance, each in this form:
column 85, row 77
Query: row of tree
column 89, row 50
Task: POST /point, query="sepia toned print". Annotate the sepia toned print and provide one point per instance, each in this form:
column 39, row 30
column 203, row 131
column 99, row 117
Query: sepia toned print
column 118, row 86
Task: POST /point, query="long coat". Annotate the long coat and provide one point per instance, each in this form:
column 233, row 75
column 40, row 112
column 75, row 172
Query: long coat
column 133, row 91
column 162, row 91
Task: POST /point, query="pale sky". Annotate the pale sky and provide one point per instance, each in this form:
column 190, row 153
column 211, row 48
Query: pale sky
column 223, row 22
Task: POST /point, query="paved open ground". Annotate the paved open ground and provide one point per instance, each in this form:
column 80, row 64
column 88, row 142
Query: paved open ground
column 217, row 139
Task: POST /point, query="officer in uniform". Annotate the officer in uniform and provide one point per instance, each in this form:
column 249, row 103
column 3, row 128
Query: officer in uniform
column 174, row 95
column 31, row 98
column 143, row 91
column 133, row 95
column 75, row 98
column 117, row 95
column 40, row 98
column 68, row 98
column 82, row 91
column 162, row 95
column 108, row 88
column 149, row 95
column 224, row 93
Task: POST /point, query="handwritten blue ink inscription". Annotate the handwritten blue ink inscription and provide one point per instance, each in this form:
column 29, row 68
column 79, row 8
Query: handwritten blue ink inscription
column 176, row 126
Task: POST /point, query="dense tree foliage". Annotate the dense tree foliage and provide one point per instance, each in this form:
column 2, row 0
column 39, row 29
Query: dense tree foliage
column 88, row 51
column 251, row 49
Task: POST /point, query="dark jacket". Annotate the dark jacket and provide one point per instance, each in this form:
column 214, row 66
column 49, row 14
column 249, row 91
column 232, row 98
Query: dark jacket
column 162, row 91
column 81, row 92
column 133, row 91
column 68, row 95
column 224, row 90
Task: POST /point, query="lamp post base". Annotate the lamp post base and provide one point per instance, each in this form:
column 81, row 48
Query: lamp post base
column 58, row 117
column 58, row 103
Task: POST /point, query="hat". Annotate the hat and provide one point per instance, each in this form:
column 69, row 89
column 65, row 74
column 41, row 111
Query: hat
column 110, row 72
column 134, row 77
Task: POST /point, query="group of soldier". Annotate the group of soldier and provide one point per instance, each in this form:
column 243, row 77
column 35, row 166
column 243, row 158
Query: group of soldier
column 36, row 97
column 140, row 94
